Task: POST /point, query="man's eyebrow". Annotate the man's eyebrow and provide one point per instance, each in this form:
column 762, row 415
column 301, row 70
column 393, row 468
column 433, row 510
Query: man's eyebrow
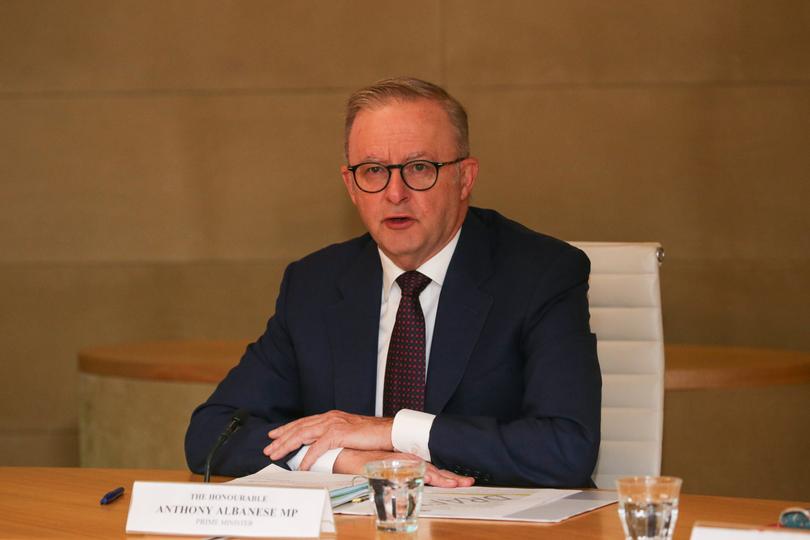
column 370, row 157
column 415, row 155
column 421, row 154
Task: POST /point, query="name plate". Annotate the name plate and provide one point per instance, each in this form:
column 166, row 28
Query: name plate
column 724, row 531
column 228, row 510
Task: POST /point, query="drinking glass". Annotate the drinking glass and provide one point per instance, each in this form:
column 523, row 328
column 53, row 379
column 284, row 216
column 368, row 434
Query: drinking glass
column 648, row 506
column 395, row 488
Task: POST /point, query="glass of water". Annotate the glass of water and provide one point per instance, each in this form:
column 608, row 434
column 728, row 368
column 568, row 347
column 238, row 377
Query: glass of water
column 395, row 488
column 648, row 506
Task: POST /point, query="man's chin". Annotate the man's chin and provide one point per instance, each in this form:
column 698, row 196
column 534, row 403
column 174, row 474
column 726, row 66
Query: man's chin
column 401, row 253
column 396, row 240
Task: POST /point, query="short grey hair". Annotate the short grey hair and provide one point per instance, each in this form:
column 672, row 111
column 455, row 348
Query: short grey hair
column 408, row 89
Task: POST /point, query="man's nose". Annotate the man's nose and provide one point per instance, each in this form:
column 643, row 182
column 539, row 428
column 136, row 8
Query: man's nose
column 396, row 191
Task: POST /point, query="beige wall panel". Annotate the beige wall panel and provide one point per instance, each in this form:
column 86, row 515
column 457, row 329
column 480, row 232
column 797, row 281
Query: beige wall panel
column 172, row 178
column 520, row 42
column 750, row 442
column 95, row 45
column 712, row 173
column 38, row 447
column 135, row 423
column 761, row 303
column 719, row 176
column 50, row 313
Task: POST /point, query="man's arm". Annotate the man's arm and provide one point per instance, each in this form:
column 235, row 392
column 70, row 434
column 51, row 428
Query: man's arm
column 265, row 382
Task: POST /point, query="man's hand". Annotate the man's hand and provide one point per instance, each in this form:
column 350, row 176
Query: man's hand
column 334, row 429
column 351, row 462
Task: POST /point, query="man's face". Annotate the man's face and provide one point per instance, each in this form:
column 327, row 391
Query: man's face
column 410, row 226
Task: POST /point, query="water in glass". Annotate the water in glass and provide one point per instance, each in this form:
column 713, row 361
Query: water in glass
column 396, row 494
column 648, row 521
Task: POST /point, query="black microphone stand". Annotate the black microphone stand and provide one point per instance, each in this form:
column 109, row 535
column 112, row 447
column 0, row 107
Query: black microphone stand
column 237, row 420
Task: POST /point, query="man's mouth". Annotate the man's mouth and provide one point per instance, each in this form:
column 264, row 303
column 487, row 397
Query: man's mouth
column 397, row 222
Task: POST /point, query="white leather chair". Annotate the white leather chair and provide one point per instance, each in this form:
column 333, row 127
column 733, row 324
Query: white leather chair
column 625, row 304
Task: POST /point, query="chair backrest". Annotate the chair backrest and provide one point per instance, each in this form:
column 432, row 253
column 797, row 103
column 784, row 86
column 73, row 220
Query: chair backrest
column 625, row 304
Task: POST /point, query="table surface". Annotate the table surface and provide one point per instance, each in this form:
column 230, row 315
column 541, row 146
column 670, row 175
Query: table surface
column 688, row 367
column 64, row 502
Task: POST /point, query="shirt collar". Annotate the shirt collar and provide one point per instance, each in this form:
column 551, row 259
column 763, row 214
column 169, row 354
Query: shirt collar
column 435, row 268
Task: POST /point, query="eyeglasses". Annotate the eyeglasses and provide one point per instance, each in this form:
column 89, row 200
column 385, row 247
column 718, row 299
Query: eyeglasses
column 418, row 175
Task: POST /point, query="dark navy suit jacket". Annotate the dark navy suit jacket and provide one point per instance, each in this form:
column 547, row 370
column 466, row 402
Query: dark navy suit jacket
column 513, row 375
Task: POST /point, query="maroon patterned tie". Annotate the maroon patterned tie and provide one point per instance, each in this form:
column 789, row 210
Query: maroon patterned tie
column 405, row 368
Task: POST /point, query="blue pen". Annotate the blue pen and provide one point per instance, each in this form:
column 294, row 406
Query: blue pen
column 112, row 495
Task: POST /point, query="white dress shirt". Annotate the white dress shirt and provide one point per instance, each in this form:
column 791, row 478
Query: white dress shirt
column 411, row 429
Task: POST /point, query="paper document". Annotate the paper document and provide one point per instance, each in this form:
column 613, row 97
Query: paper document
column 502, row 504
column 343, row 488
column 495, row 503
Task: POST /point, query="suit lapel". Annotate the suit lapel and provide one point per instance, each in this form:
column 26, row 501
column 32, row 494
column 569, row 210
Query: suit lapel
column 463, row 308
column 353, row 327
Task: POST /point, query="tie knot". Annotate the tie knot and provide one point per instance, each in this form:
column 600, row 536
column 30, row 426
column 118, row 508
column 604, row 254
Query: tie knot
column 412, row 283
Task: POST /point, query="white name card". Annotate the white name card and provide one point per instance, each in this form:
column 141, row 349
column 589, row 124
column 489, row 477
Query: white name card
column 228, row 510
column 722, row 531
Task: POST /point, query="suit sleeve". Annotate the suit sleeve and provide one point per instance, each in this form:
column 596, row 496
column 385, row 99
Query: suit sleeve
column 555, row 440
column 265, row 382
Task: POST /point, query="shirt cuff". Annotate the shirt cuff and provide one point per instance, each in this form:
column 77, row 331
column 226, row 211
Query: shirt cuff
column 322, row 464
column 411, row 432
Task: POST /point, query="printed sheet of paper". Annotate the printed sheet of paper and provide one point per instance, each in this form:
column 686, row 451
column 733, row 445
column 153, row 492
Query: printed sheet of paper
column 504, row 504
column 273, row 475
column 486, row 503
column 342, row 488
column 507, row 504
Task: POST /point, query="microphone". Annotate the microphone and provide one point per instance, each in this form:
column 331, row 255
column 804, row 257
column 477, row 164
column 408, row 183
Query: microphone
column 237, row 420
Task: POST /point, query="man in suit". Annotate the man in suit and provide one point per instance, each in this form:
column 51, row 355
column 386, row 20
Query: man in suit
column 446, row 333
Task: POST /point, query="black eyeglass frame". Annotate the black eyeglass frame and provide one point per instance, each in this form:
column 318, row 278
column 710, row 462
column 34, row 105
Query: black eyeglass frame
column 400, row 166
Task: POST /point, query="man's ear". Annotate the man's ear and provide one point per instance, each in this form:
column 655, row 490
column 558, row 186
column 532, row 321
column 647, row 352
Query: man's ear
column 348, row 181
column 467, row 177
